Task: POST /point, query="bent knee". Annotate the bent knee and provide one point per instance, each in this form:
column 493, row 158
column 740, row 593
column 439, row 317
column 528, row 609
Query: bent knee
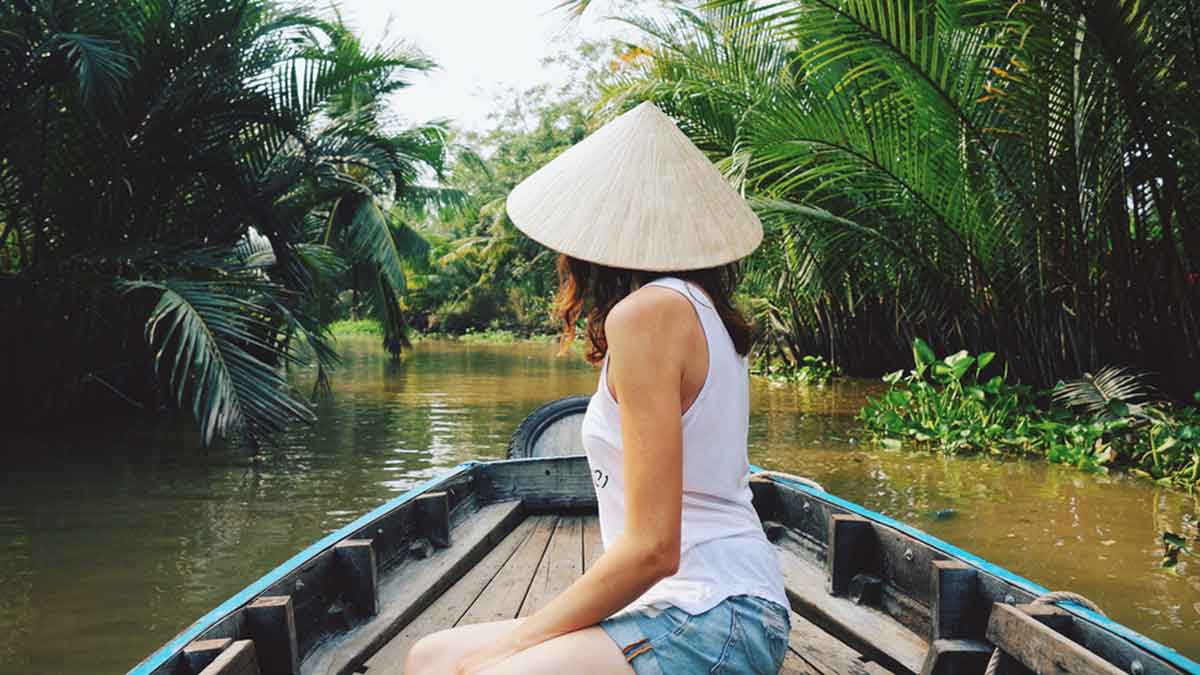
column 429, row 656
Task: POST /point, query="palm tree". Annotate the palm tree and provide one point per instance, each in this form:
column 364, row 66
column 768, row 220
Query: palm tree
column 991, row 175
column 184, row 180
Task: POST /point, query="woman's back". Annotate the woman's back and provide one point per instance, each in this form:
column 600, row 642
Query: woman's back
column 723, row 549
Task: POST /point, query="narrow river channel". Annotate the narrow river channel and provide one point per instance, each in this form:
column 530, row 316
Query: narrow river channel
column 111, row 541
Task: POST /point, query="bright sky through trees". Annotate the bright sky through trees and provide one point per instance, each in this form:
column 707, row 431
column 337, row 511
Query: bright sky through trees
column 483, row 47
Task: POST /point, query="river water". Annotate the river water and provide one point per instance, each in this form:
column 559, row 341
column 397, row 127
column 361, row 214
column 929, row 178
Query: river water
column 111, row 541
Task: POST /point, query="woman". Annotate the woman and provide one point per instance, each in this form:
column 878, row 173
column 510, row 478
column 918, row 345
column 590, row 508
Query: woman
column 649, row 234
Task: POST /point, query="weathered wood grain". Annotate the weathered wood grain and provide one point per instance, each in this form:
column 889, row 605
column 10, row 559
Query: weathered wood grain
column 954, row 606
column 271, row 623
column 912, row 596
column 1039, row 647
column 446, row 611
column 904, row 565
column 238, row 659
column 1007, row 665
column 593, row 546
column 826, row 654
column 901, row 562
column 393, row 532
column 359, row 572
column 313, row 589
column 866, row 630
column 957, row 657
column 1095, row 638
column 547, row 485
column 803, row 513
column 1056, row 618
column 199, row 653
column 852, row 550
column 408, row 589
column 502, row 598
column 560, row 566
column 794, row 665
column 433, row 517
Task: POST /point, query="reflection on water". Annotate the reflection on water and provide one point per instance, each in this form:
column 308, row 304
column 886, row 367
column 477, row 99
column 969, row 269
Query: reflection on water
column 112, row 541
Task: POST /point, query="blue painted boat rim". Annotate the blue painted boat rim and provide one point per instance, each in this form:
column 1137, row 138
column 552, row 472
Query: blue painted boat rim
column 247, row 594
column 1160, row 650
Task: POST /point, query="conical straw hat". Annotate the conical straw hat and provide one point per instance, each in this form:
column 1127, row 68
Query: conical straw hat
column 636, row 194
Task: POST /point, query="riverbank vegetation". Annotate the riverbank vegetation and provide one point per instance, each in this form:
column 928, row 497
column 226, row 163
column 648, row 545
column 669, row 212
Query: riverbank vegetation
column 963, row 403
column 814, row 370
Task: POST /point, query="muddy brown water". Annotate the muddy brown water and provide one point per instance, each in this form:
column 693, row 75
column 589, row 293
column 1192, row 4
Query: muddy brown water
column 111, row 541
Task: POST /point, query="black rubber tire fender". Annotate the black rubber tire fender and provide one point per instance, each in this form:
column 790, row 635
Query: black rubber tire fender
column 525, row 438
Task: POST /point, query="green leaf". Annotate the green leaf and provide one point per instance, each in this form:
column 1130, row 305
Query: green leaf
column 1172, row 539
column 922, row 354
column 959, row 363
column 994, row 384
column 1118, row 409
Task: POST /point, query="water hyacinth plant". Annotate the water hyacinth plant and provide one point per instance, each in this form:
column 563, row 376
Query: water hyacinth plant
column 949, row 404
column 814, row 370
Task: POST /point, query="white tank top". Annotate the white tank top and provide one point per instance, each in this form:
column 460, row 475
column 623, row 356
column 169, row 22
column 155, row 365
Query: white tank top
column 723, row 550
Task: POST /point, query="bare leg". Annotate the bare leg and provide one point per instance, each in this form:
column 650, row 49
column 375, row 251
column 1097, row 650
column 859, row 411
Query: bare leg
column 585, row 651
column 438, row 653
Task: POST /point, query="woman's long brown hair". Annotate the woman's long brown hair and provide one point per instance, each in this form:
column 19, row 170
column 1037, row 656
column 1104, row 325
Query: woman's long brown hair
column 596, row 288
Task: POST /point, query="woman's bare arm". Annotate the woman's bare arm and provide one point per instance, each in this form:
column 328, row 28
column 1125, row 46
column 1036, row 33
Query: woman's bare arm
column 649, row 337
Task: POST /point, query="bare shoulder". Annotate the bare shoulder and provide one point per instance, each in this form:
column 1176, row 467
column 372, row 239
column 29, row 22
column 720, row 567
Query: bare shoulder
column 650, row 313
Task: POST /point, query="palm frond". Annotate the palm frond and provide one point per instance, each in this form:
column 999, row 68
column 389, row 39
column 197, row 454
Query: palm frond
column 100, row 67
column 208, row 346
column 1109, row 393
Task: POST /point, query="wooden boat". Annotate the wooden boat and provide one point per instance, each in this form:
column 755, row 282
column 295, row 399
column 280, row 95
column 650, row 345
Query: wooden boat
column 496, row 540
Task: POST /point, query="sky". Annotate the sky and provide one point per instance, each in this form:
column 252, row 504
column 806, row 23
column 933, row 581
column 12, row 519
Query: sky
column 482, row 47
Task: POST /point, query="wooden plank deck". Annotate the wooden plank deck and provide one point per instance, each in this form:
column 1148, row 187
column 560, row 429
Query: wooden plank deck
column 541, row 557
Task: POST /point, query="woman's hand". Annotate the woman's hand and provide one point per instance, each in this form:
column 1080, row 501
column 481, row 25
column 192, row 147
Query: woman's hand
column 486, row 657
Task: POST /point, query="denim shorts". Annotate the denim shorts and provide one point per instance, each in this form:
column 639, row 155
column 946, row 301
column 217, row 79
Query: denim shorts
column 742, row 634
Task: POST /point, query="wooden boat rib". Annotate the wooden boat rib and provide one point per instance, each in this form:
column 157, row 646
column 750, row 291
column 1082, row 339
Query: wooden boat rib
column 494, row 540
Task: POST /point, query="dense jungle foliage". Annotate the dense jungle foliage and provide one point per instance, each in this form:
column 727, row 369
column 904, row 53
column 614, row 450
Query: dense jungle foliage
column 1019, row 178
column 184, row 186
